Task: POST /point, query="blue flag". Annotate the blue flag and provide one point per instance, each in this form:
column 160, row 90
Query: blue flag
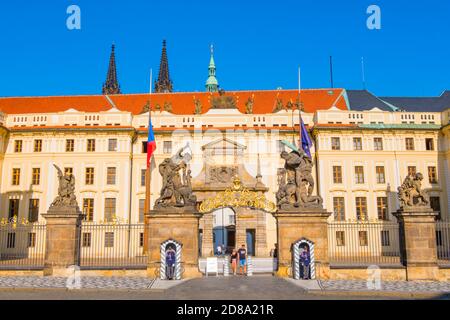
column 306, row 140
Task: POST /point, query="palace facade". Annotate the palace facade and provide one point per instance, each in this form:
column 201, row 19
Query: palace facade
column 364, row 146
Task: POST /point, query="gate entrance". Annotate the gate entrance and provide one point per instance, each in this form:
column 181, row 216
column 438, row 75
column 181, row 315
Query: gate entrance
column 235, row 217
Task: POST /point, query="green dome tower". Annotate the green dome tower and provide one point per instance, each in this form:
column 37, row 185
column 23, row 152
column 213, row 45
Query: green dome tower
column 212, row 85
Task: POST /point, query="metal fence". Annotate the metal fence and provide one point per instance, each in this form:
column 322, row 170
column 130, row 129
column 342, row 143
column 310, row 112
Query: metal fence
column 443, row 241
column 363, row 243
column 22, row 246
column 112, row 246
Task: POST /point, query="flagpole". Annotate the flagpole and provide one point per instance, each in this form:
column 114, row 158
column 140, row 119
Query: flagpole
column 148, row 175
column 299, row 111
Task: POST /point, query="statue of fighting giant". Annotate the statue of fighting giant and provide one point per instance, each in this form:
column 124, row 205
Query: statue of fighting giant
column 176, row 188
column 66, row 190
column 296, row 182
column 410, row 193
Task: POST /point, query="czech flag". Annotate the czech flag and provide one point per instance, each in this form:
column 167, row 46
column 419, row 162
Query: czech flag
column 151, row 143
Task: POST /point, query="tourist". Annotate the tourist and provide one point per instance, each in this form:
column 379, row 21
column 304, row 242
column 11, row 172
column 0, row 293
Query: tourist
column 233, row 260
column 219, row 250
column 305, row 262
column 242, row 253
column 170, row 263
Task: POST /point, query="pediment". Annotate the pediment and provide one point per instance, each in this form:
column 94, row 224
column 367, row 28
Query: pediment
column 224, row 143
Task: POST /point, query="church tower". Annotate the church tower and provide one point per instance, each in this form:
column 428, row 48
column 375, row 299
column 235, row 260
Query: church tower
column 164, row 84
column 212, row 85
column 111, row 86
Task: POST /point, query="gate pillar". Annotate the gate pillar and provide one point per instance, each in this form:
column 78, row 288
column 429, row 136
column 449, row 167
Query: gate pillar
column 181, row 224
column 309, row 224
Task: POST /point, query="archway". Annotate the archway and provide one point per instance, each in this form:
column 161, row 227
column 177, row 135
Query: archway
column 175, row 245
column 297, row 247
column 224, row 230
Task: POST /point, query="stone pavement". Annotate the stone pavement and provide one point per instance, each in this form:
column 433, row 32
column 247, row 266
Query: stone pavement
column 388, row 286
column 126, row 283
column 212, row 288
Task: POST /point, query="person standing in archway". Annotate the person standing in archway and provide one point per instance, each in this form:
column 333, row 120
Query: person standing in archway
column 170, row 263
column 242, row 253
column 234, row 258
column 305, row 262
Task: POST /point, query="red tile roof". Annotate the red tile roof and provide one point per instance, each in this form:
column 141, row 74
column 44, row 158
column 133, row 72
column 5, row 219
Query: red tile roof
column 182, row 103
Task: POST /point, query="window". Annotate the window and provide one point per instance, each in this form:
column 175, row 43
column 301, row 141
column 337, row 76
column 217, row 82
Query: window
column 143, row 174
column 112, row 145
column 141, row 210
column 11, row 240
column 378, row 144
column 409, row 143
column 412, row 170
column 36, row 176
column 429, row 144
column 432, row 175
column 91, row 145
column 335, row 143
column 110, row 209
column 337, row 174
column 13, row 208
column 111, row 176
column 141, row 239
column 18, row 146
column 89, row 176
column 33, row 210
column 167, row 147
column 340, row 238
column 361, row 208
column 357, row 144
column 16, row 177
column 31, row 240
column 359, row 174
column 385, row 239
column 231, row 219
column 70, row 145
column 144, row 146
column 280, row 146
column 86, row 243
column 68, row 171
column 109, row 239
column 88, row 209
column 37, row 145
column 363, row 238
column 435, row 204
column 339, row 208
column 382, row 208
column 379, row 173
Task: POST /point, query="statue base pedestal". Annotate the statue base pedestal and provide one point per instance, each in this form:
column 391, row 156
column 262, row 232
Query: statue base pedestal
column 62, row 240
column 418, row 242
column 307, row 223
column 180, row 225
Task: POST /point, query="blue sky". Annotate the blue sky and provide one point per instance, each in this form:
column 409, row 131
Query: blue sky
column 258, row 45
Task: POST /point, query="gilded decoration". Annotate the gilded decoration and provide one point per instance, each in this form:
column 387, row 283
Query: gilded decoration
column 238, row 196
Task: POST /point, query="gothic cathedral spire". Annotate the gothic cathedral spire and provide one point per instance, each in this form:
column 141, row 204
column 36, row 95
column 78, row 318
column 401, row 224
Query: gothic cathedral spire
column 163, row 84
column 111, row 86
column 212, row 85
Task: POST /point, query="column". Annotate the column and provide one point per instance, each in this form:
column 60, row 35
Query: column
column 418, row 242
column 62, row 240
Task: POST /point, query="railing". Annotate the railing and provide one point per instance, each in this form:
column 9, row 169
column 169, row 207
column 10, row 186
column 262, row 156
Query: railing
column 112, row 246
column 363, row 243
column 22, row 246
column 443, row 241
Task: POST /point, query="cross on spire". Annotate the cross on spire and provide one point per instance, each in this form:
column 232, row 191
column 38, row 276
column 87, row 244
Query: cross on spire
column 164, row 84
column 111, row 86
